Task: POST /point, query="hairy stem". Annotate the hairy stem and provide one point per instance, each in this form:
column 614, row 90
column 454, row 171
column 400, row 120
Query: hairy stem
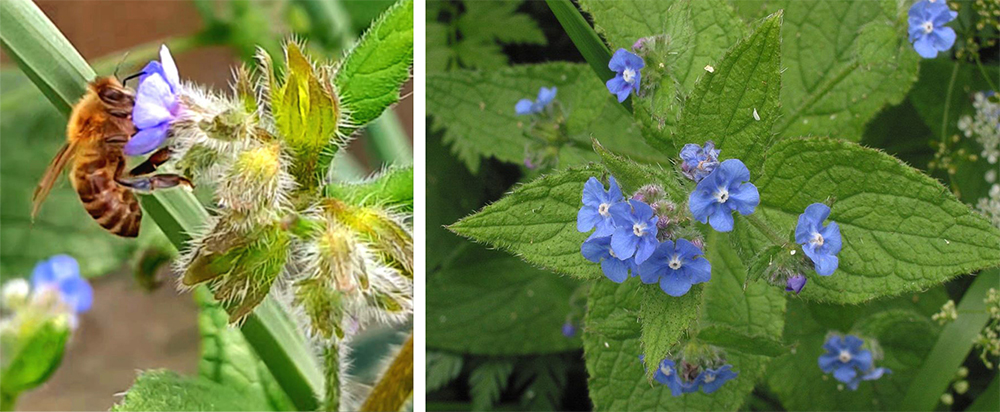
column 331, row 363
column 766, row 230
column 395, row 386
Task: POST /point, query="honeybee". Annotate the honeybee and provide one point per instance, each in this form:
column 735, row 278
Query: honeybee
column 99, row 126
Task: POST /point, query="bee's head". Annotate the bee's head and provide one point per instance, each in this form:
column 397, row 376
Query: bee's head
column 111, row 92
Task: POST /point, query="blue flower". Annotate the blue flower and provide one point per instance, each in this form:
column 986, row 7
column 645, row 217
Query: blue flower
column 156, row 104
column 712, row 379
column 821, row 244
column 635, row 230
column 720, row 193
column 61, row 274
column 699, row 162
column 849, row 363
column 596, row 210
column 526, row 106
column 568, row 330
column 627, row 67
column 927, row 32
column 668, row 374
column 677, row 266
column 598, row 250
column 795, row 284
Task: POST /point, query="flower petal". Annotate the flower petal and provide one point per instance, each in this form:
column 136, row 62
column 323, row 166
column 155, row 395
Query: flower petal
column 675, row 284
column 169, row 69
column 153, row 103
column 845, row 374
column 831, row 238
column 77, row 294
column 146, row 141
column 615, row 270
column 944, row 38
column 721, row 219
column 595, row 249
column 828, row 361
column 924, row 46
column 624, row 242
column 825, row 265
column 523, row 107
column 744, row 199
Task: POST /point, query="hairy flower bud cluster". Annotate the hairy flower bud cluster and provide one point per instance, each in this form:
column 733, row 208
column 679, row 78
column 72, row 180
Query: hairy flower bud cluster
column 696, row 367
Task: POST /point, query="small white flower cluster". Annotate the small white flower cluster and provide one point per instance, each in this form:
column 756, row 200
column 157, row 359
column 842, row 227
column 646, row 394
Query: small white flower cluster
column 988, row 340
column 947, row 314
column 984, row 125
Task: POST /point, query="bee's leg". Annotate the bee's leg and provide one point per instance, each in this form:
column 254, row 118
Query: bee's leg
column 156, row 159
column 153, row 182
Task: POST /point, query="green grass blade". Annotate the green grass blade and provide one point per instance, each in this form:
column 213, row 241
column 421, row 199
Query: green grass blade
column 989, row 400
column 952, row 347
column 60, row 72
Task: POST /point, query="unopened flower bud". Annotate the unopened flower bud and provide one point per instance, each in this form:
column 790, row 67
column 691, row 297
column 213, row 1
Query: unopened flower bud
column 961, row 387
column 947, row 399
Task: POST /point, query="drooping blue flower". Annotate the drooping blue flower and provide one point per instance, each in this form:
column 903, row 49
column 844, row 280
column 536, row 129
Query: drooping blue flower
column 724, row 190
column 635, row 230
column 568, row 330
column 599, row 250
column 712, row 379
column 596, row 210
column 156, row 104
column 821, row 244
column 627, row 67
column 849, row 363
column 676, row 266
column 667, row 374
column 526, row 106
column 795, row 284
column 61, row 274
column 927, row 31
column 699, row 161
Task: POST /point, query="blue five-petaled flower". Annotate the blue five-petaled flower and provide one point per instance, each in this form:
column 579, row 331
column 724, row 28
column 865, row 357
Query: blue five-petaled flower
column 627, row 67
column 598, row 250
column 712, row 379
column 635, row 231
column 61, row 274
column 156, row 104
column 596, row 210
column 927, row 31
column 720, row 193
column 849, row 363
column 699, row 161
column 821, row 244
column 676, row 266
column 526, row 106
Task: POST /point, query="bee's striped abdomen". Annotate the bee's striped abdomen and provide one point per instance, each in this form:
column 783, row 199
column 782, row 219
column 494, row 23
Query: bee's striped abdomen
column 113, row 206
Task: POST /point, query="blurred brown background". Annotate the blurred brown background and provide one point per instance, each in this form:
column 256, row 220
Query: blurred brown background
column 128, row 329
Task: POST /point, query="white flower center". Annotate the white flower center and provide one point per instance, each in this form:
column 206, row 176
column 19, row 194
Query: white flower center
column 603, row 209
column 628, row 75
column 675, row 262
column 845, row 356
column 817, row 239
column 722, row 195
column 639, row 229
column 928, row 27
column 709, row 378
column 666, row 370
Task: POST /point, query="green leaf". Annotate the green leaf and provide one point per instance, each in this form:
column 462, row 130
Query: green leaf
column 442, row 368
column 612, row 347
column 631, row 175
column 801, row 385
column 33, row 351
column 728, row 338
column 929, row 92
column 537, row 222
column 475, row 110
column 163, row 390
column 902, row 231
column 391, row 187
column 32, row 133
column 586, row 40
column 665, row 319
column 544, row 381
column 490, row 303
column 736, row 105
column 479, row 23
column 487, row 381
column 952, row 346
column 227, row 359
column 371, row 75
column 843, row 62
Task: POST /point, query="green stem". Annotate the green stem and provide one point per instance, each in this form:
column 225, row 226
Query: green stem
column 764, row 228
column 979, row 64
column 947, row 103
column 331, row 361
column 7, row 401
column 952, row 346
column 395, row 386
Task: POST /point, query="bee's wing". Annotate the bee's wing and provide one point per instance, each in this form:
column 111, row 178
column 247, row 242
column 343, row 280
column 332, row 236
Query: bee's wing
column 51, row 174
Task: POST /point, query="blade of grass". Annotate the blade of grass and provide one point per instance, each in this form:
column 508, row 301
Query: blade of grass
column 952, row 346
column 56, row 68
column 989, row 400
column 586, row 40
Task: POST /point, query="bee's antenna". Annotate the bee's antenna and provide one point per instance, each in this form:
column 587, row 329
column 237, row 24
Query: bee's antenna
column 130, row 77
column 119, row 65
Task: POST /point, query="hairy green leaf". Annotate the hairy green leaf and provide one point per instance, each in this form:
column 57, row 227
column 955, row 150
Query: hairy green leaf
column 475, row 109
column 665, row 319
column 442, row 368
column 369, row 79
column 490, row 303
column 163, row 390
column 227, row 359
column 537, row 222
column 902, row 231
column 843, row 61
column 736, row 104
column 487, row 381
column 391, row 187
column 631, row 175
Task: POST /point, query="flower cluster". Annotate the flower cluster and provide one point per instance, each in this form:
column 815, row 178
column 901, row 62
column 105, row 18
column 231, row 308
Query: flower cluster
column 632, row 237
column 984, row 125
column 56, row 288
column 690, row 377
column 698, row 162
column 988, row 340
column 849, row 363
column 545, row 131
column 928, row 34
column 545, row 97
